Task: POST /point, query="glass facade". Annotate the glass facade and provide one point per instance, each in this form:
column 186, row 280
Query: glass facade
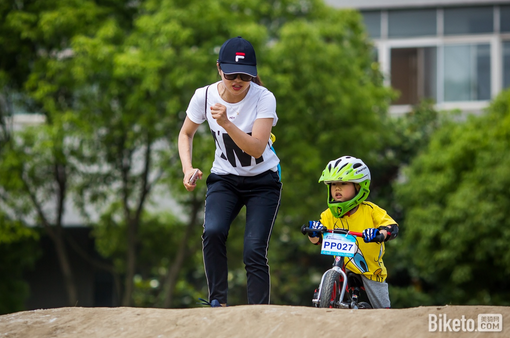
column 448, row 60
column 467, row 72
column 504, row 19
column 372, row 21
column 412, row 23
column 468, row 20
column 506, row 64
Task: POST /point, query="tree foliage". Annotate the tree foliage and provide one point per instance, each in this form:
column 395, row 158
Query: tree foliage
column 331, row 101
column 37, row 165
column 456, row 206
column 113, row 80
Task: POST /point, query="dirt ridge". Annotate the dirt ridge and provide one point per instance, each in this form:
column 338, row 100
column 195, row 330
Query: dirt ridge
column 250, row 321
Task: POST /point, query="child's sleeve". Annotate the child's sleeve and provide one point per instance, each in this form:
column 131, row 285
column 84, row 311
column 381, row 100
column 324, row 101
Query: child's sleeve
column 381, row 218
column 383, row 221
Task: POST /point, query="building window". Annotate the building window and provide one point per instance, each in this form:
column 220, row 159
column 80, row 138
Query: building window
column 456, row 68
column 467, row 72
column 413, row 74
column 410, row 23
column 506, row 64
column 468, row 20
column 504, row 18
column 372, row 21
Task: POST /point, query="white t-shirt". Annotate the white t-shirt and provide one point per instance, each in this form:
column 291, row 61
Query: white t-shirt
column 229, row 158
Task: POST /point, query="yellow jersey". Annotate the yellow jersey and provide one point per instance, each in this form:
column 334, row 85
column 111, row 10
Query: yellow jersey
column 367, row 260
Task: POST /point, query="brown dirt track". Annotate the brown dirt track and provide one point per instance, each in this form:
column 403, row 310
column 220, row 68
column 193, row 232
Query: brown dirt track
column 242, row 321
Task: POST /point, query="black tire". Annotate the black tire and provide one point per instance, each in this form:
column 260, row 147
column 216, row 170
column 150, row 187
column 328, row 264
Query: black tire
column 364, row 305
column 329, row 292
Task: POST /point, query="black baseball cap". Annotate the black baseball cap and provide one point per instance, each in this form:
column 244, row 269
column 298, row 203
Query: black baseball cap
column 238, row 56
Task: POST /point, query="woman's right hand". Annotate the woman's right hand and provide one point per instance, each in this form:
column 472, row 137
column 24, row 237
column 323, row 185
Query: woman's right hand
column 219, row 113
column 191, row 184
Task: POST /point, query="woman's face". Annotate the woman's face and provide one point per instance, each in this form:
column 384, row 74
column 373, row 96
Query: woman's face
column 342, row 191
column 236, row 88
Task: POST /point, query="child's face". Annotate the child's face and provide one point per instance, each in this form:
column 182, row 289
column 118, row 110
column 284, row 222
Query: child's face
column 342, row 191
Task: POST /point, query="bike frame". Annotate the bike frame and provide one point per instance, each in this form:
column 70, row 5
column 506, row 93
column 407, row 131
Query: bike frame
column 338, row 267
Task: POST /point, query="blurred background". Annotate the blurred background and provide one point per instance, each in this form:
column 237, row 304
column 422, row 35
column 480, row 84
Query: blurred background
column 93, row 94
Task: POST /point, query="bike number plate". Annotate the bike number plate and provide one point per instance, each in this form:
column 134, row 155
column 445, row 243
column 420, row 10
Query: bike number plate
column 338, row 245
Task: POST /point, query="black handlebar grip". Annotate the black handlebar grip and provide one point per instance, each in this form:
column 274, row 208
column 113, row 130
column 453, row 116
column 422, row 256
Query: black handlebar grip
column 303, row 229
column 379, row 238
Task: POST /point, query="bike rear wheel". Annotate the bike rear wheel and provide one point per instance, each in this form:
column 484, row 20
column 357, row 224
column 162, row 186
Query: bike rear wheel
column 329, row 295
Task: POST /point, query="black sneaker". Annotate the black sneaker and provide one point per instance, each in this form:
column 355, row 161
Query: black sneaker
column 213, row 303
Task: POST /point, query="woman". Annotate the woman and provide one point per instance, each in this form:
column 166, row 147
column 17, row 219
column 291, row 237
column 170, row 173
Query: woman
column 240, row 113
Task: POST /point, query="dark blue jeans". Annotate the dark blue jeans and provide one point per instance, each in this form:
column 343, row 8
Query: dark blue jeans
column 226, row 195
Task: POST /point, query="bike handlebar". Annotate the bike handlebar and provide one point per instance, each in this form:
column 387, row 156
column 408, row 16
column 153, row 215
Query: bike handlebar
column 306, row 230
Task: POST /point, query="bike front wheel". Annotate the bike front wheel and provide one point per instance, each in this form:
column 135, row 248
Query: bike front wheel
column 364, row 305
column 329, row 295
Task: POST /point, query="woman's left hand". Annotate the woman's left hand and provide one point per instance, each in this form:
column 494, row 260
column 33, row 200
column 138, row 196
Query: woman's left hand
column 188, row 184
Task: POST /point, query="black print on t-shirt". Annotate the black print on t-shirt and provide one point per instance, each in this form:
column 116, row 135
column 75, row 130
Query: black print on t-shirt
column 232, row 150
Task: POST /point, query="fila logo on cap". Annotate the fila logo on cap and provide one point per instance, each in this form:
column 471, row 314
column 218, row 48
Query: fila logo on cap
column 239, row 56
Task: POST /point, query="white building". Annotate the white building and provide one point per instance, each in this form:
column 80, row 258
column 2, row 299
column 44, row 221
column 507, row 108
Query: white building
column 456, row 52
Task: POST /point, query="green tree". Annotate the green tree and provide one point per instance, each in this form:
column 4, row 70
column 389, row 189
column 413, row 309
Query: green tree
column 408, row 135
column 33, row 169
column 331, row 101
column 114, row 88
column 172, row 52
column 34, row 166
column 129, row 102
column 456, row 206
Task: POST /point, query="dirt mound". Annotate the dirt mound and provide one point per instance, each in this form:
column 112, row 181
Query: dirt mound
column 257, row 321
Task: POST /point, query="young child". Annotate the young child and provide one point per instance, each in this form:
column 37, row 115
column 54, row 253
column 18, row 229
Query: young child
column 348, row 181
